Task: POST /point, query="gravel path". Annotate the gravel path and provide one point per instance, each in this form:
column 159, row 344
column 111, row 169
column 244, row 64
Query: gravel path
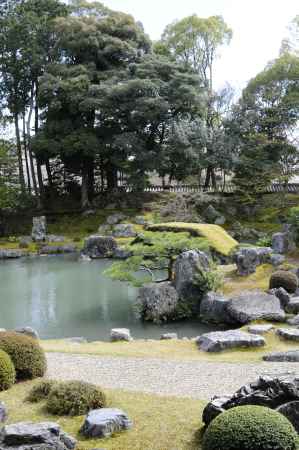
column 192, row 379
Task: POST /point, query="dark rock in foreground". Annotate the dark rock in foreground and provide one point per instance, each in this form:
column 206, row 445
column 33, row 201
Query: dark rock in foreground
column 255, row 305
column 247, row 259
column 35, row 436
column 266, row 391
column 289, row 356
column 102, row 423
column 223, row 340
column 158, row 302
column 96, row 246
column 293, row 305
column 213, row 309
column 291, row 411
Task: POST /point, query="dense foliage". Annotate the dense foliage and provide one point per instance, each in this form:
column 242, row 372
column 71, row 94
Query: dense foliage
column 26, row 354
column 7, row 371
column 250, row 427
column 74, row 398
column 40, row 391
column 285, row 279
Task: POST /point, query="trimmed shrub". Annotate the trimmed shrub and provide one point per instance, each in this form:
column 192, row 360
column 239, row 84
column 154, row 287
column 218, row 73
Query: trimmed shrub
column 75, row 398
column 250, row 428
column 41, row 391
column 26, row 354
column 7, row 371
column 284, row 279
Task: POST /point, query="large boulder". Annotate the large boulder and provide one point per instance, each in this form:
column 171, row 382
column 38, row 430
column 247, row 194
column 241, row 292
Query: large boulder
column 283, row 296
column 213, row 309
column 288, row 334
column 96, row 246
column 283, row 242
column 248, row 258
column 255, row 305
column 272, row 392
column 104, row 422
column 217, row 341
column 115, row 218
column 39, row 229
column 212, row 215
column 293, row 305
column 35, row 436
column 11, row 254
column 124, row 230
column 158, row 302
column 186, row 269
column 120, row 334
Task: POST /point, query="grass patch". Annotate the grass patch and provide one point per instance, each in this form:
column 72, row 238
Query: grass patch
column 218, row 238
column 171, row 350
column 160, row 423
column 234, row 283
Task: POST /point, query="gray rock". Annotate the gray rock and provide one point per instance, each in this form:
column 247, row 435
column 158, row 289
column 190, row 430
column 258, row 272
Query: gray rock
column 291, row 411
column 55, row 238
column 39, row 229
column 260, row 329
column 290, row 356
column 120, row 334
column 220, row 220
column 124, row 230
column 105, row 230
column 35, row 436
column 11, row 254
column 158, row 302
column 76, row 340
column 289, row 334
column 293, row 306
column 186, row 269
column 96, row 246
column 58, row 249
column 168, row 336
column 25, row 241
column 211, row 214
column 271, row 392
column 255, row 305
column 283, row 296
column 276, row 259
column 283, row 242
column 213, row 309
column 89, row 212
column 28, row 331
column 140, row 220
column 294, row 320
column 115, row 219
column 217, row 341
column 3, row 413
column 248, row 258
column 103, row 423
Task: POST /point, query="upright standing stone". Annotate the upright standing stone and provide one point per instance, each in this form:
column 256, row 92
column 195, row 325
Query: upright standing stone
column 39, row 229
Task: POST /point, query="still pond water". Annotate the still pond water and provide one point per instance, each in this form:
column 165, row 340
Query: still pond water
column 66, row 297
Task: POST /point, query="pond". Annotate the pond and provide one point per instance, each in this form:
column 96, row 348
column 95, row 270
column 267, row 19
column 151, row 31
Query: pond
column 66, row 297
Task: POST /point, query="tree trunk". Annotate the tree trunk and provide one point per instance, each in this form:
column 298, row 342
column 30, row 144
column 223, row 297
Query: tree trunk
column 111, row 174
column 210, row 178
column 90, row 179
column 29, row 146
column 26, row 156
column 38, row 164
column 84, row 188
column 49, row 173
column 19, row 153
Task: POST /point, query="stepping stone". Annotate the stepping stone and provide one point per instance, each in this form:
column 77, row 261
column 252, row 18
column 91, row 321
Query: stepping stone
column 223, row 340
column 290, row 356
column 293, row 305
column 260, row 329
column 168, row 336
column 102, row 423
column 290, row 334
column 120, row 334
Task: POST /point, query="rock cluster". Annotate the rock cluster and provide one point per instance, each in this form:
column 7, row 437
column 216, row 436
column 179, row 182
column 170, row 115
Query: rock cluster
column 96, row 246
column 279, row 393
column 248, row 258
column 283, row 242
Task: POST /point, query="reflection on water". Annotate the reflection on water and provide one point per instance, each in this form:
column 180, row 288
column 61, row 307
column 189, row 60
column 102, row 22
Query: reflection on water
column 63, row 297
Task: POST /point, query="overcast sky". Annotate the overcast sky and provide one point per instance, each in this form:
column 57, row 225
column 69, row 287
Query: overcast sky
column 258, row 26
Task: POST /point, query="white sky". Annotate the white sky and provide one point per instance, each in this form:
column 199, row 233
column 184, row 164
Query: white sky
column 258, row 25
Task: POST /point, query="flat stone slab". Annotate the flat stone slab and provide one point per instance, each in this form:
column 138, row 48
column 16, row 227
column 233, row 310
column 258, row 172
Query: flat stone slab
column 102, row 423
column 293, row 305
column 289, row 334
column 290, row 356
column 255, row 305
column 260, row 329
column 224, row 340
column 168, row 336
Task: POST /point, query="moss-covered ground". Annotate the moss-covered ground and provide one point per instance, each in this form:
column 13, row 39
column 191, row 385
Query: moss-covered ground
column 166, row 423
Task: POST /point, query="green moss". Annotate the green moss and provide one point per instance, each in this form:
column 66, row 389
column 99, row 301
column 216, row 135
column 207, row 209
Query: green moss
column 218, row 238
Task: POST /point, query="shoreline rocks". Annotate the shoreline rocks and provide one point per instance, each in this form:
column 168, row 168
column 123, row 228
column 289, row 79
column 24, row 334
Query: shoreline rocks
column 120, row 334
column 96, row 246
column 158, row 302
column 218, row 341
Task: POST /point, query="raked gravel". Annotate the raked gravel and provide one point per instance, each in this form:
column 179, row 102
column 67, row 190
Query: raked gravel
column 193, row 379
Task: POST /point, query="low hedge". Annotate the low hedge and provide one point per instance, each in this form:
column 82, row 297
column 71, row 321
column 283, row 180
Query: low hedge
column 74, row 398
column 285, row 279
column 250, row 428
column 41, row 391
column 26, row 354
column 7, row 371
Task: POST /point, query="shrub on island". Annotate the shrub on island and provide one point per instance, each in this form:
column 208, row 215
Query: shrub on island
column 250, row 427
column 7, row 371
column 41, row 391
column 284, row 279
column 26, row 354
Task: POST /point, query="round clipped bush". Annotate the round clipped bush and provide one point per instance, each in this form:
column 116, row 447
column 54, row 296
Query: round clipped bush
column 41, row 391
column 7, row 371
column 284, row 279
column 75, row 398
column 26, row 354
column 250, row 428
